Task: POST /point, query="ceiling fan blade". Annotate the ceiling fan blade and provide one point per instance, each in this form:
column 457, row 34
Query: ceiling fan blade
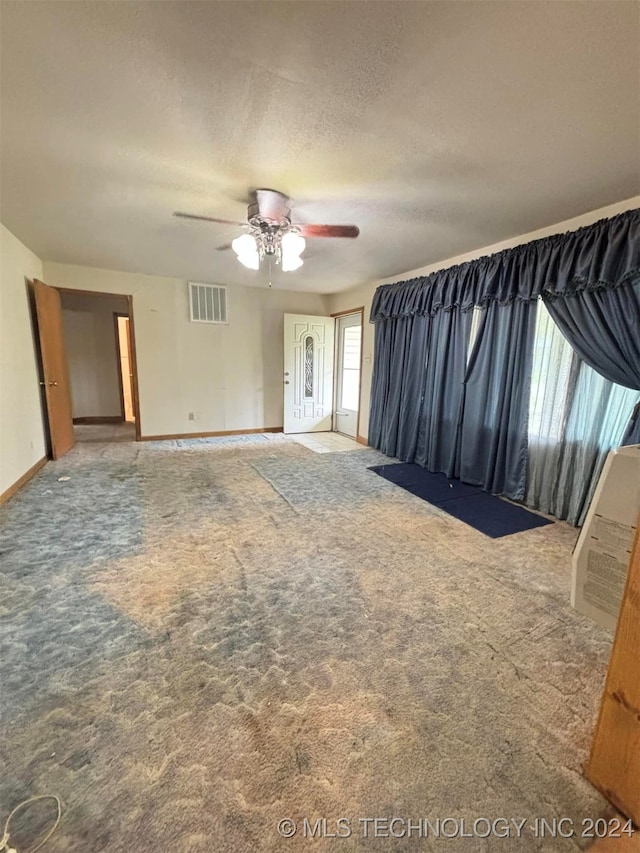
column 224, row 247
column 206, row 218
column 272, row 204
column 329, row 230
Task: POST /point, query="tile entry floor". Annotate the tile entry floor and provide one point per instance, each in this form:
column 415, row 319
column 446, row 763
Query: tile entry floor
column 327, row 442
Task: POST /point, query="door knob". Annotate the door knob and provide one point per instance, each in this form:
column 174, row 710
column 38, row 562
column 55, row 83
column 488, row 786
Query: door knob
column 53, row 383
column 49, row 383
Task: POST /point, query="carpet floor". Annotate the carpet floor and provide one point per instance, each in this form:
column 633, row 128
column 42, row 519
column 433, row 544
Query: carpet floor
column 201, row 638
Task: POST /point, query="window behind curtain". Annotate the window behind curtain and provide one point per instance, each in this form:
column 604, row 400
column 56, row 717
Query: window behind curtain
column 576, row 416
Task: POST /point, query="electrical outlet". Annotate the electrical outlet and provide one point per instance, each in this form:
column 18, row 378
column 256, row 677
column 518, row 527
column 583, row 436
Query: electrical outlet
column 192, row 416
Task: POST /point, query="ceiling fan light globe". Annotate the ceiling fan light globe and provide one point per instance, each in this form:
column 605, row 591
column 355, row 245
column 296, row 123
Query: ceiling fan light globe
column 245, row 244
column 293, row 245
column 251, row 260
column 246, row 248
column 289, row 263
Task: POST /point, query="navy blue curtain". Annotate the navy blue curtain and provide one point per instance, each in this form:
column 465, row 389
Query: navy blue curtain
column 599, row 257
column 442, row 392
column 632, row 432
column 419, row 369
column 588, row 278
column 603, row 327
column 495, row 411
column 396, row 386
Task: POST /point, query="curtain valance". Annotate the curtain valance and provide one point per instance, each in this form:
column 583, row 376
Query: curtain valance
column 601, row 256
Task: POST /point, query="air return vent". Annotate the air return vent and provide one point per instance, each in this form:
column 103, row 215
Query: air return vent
column 208, row 303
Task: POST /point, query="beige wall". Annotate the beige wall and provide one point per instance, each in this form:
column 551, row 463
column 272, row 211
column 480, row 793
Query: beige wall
column 363, row 294
column 22, row 442
column 229, row 376
column 90, row 344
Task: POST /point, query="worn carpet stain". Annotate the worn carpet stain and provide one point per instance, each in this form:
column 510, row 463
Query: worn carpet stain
column 198, row 639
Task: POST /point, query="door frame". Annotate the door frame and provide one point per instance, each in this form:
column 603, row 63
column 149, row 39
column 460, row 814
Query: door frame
column 336, row 317
column 101, row 294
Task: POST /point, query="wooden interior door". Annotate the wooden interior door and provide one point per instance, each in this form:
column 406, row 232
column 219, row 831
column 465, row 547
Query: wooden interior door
column 125, row 367
column 55, row 377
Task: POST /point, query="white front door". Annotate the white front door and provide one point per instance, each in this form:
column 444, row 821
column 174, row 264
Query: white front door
column 348, row 344
column 308, row 373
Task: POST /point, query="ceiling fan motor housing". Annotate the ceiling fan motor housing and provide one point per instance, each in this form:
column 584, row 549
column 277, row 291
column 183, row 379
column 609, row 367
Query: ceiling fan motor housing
column 255, row 217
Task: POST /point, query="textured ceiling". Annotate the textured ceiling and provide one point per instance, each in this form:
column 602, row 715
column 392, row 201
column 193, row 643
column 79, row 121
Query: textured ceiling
column 437, row 127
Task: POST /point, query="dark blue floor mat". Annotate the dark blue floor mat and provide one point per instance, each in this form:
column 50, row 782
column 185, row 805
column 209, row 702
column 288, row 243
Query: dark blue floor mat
column 493, row 516
column 434, row 488
column 470, row 504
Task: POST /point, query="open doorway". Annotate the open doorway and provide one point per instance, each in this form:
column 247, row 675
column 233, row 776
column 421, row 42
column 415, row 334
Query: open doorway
column 348, row 370
column 98, row 341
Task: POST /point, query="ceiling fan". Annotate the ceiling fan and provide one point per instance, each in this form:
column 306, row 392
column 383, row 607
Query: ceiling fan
column 271, row 234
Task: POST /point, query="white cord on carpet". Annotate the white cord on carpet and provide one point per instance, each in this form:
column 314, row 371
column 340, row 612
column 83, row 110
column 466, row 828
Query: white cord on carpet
column 4, row 841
